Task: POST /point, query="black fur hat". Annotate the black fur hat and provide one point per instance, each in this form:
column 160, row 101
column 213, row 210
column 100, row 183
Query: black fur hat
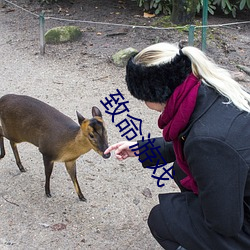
column 156, row 83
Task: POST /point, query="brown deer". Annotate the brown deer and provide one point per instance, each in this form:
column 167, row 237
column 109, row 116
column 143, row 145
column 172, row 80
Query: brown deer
column 59, row 138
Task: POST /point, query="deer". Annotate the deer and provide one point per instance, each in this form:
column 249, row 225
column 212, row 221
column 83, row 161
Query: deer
column 58, row 138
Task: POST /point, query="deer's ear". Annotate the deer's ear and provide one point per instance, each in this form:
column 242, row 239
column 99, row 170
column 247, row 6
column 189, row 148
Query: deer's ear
column 80, row 118
column 96, row 112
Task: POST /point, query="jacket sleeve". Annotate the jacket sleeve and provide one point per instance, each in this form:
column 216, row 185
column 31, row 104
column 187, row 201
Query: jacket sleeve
column 220, row 173
column 164, row 148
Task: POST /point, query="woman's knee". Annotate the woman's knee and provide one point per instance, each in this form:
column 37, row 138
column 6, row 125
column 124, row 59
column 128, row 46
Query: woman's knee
column 150, row 220
column 156, row 223
column 159, row 229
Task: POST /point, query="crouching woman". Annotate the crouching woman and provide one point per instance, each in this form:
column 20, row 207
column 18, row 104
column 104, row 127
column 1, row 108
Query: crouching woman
column 205, row 122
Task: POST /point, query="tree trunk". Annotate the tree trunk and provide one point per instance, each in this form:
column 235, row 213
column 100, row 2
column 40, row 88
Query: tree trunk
column 183, row 11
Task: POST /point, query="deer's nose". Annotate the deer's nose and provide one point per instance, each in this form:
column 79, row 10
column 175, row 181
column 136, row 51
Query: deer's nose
column 106, row 156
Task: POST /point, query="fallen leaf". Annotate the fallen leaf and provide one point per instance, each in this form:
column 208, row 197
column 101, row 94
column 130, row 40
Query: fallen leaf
column 147, row 15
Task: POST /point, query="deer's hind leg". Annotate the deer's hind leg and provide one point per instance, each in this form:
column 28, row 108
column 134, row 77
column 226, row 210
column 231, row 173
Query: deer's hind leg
column 1, row 144
column 71, row 168
column 18, row 161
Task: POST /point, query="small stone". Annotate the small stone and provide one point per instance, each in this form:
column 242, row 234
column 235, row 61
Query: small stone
column 147, row 193
column 136, row 201
column 121, row 58
column 62, row 34
column 58, row 227
column 239, row 76
column 244, row 68
column 44, row 225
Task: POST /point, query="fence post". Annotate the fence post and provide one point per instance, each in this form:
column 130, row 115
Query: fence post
column 204, row 24
column 191, row 35
column 2, row 3
column 42, row 31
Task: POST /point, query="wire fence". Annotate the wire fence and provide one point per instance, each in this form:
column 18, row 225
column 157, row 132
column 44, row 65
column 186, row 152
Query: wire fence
column 191, row 28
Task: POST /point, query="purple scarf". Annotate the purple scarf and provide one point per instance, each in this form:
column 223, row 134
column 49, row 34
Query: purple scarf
column 175, row 118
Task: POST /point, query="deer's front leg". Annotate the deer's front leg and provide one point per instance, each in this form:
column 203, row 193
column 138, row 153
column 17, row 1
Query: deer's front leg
column 71, row 168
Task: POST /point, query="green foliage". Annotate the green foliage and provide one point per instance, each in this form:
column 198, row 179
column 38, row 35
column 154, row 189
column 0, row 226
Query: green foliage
column 244, row 4
column 211, row 7
column 226, row 6
column 165, row 6
column 157, row 6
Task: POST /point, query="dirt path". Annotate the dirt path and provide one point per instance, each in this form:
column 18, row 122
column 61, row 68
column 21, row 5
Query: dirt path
column 115, row 214
column 75, row 77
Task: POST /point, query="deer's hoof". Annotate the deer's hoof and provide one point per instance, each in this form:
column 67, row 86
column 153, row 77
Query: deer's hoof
column 82, row 198
column 48, row 195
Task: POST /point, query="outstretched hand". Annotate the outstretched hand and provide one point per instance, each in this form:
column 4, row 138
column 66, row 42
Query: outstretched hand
column 122, row 150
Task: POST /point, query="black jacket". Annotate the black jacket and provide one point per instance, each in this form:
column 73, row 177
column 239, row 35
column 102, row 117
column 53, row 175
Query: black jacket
column 216, row 145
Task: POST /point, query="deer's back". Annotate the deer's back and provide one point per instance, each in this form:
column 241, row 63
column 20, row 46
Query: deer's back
column 24, row 118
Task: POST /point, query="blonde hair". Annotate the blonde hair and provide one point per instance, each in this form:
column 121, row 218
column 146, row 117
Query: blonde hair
column 202, row 67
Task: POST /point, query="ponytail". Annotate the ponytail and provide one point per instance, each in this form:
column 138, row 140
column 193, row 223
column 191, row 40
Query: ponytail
column 202, row 67
column 218, row 78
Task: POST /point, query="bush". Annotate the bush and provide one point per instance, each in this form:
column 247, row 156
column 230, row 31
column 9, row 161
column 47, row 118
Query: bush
column 232, row 6
column 165, row 6
column 156, row 6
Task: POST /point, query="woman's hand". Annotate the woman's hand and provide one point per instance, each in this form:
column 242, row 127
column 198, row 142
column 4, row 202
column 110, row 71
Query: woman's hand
column 122, row 150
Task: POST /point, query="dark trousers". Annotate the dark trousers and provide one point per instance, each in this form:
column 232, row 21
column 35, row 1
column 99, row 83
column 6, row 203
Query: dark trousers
column 179, row 221
column 156, row 221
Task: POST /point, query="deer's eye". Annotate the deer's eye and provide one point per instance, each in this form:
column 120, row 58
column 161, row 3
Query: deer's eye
column 91, row 136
